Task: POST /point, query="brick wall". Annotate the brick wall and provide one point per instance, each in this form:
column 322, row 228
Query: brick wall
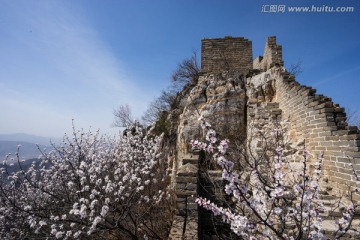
column 321, row 123
column 229, row 53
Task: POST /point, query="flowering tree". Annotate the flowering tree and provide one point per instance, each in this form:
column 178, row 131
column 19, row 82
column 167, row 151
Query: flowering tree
column 90, row 186
column 272, row 199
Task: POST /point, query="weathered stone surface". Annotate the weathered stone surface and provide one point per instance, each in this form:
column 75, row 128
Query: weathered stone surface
column 221, row 99
column 188, row 170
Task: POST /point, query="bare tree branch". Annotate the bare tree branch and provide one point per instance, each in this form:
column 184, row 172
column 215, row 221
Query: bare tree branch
column 353, row 118
column 158, row 105
column 187, row 71
column 296, row 69
column 123, row 116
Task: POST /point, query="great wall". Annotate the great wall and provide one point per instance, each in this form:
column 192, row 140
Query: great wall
column 237, row 95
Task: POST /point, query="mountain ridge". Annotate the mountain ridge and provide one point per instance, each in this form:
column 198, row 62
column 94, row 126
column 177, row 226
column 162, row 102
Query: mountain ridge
column 26, row 150
column 24, row 137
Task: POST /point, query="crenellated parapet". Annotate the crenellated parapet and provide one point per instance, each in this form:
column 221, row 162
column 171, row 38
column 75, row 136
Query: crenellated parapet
column 272, row 56
column 322, row 125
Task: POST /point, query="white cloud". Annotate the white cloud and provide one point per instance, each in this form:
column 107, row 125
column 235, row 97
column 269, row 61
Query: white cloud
column 337, row 76
column 19, row 116
column 59, row 68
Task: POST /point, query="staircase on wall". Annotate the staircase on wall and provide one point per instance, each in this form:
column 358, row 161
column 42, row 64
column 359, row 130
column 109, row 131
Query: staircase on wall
column 185, row 224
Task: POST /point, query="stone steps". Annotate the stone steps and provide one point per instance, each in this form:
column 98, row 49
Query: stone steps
column 185, row 224
column 332, row 212
column 330, row 226
column 325, row 196
column 193, row 161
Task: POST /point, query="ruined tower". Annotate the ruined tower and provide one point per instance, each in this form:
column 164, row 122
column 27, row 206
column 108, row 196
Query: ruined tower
column 229, row 53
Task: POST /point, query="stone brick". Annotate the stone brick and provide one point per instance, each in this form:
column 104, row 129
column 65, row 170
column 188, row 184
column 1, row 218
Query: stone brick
column 184, row 179
column 350, row 137
column 343, row 176
column 340, row 132
column 332, row 138
column 183, row 193
column 325, row 134
column 191, row 187
column 337, row 149
column 325, row 124
column 352, row 154
column 326, row 144
column 180, row 186
column 327, row 110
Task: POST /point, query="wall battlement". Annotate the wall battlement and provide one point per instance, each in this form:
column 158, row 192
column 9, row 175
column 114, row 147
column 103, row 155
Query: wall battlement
column 319, row 122
column 272, row 56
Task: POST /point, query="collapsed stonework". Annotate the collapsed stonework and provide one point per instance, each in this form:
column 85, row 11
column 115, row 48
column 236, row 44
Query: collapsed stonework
column 237, row 95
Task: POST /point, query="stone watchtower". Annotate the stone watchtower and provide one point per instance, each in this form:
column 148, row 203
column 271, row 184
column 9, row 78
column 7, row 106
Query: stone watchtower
column 223, row 54
column 220, row 97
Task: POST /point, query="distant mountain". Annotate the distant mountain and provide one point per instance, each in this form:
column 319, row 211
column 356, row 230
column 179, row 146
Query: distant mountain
column 22, row 137
column 27, row 150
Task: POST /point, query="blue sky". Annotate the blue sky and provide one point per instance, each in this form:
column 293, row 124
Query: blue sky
column 80, row 59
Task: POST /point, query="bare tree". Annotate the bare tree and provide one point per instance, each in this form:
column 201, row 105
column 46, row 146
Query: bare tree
column 159, row 105
column 187, row 71
column 353, row 118
column 123, row 116
column 296, row 69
